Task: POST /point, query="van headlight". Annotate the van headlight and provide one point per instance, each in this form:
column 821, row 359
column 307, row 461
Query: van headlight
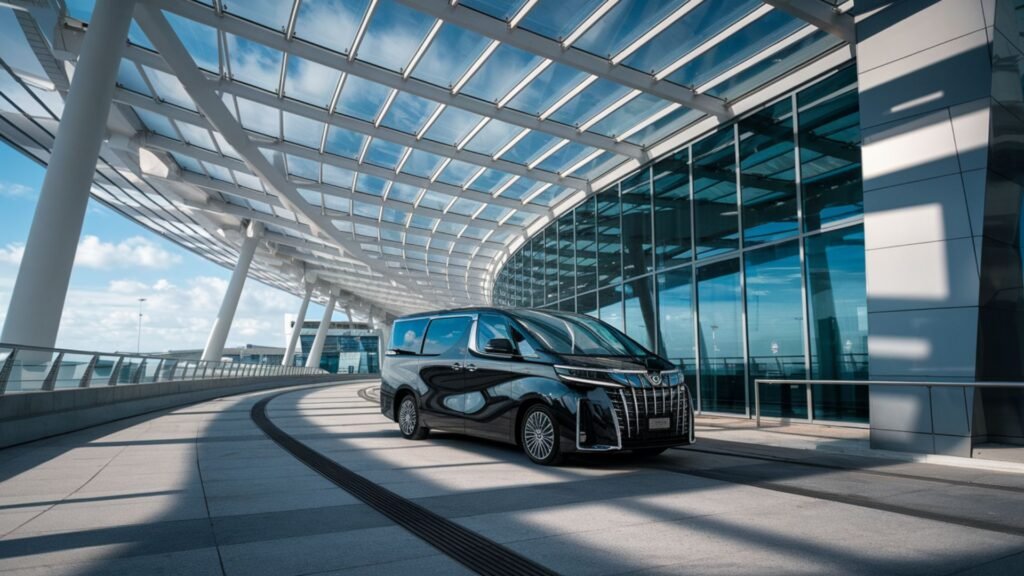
column 672, row 378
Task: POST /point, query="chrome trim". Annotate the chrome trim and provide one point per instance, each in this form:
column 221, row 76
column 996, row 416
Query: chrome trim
column 592, row 382
column 599, row 447
column 605, row 370
column 625, row 411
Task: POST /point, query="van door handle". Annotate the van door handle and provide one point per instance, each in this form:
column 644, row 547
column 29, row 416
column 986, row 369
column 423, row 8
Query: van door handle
column 457, row 367
column 470, row 367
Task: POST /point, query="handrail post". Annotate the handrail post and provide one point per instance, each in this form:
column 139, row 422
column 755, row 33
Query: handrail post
column 115, row 373
column 5, row 372
column 159, row 370
column 51, row 376
column 87, row 377
column 138, row 372
column 757, row 403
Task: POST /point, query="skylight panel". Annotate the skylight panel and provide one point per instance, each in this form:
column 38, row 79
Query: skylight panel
column 529, row 147
column 589, row 102
column 408, row 113
column 392, row 236
column 465, row 207
column 453, row 125
column 254, row 63
column 247, row 180
column 361, row 98
column 169, row 89
column 156, row 123
column 128, row 76
column 225, row 148
column 740, row 45
column 476, row 233
column 663, row 126
column 366, row 210
column 404, row 193
column 551, row 196
column 310, row 82
column 342, row 142
column 187, row 162
column 342, row 225
column 556, row 80
column 703, row 22
column 384, row 154
column 505, row 67
column 522, row 188
column 371, row 184
column 303, row 131
column 492, row 137
column 218, row 172
column 273, row 14
column 555, row 19
column 450, row 54
column 457, row 172
column 339, row 177
column 626, row 117
column 798, row 50
column 311, row 196
column 330, row 23
column 259, row 118
column 452, row 228
column 337, row 203
column 394, row 216
column 199, row 39
column 394, row 34
column 493, row 213
column 366, row 230
column 196, row 136
column 490, row 181
column 624, row 23
column 435, row 200
column 303, row 168
column 422, row 222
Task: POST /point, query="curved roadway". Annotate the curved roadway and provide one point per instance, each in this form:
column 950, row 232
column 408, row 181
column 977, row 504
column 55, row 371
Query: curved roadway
column 203, row 490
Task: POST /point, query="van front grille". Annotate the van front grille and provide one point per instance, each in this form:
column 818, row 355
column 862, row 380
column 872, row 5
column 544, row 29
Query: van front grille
column 636, row 407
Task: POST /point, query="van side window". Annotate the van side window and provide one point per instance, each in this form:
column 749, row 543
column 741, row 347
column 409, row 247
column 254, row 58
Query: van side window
column 443, row 333
column 407, row 335
column 490, row 327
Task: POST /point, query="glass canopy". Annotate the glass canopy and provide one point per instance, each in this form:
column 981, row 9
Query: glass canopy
column 415, row 143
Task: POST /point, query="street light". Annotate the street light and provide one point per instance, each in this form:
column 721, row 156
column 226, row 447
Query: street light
column 138, row 342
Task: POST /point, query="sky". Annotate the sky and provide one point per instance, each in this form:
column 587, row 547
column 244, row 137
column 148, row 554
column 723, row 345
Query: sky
column 118, row 262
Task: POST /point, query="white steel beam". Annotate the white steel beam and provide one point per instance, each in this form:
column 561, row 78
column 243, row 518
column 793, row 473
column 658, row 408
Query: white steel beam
column 575, row 58
column 296, row 47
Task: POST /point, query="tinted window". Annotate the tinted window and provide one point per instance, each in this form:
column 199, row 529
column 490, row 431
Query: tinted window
column 489, row 327
column 578, row 335
column 407, row 335
column 444, row 333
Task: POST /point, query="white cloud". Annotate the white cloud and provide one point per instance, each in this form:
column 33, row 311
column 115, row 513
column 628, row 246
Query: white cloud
column 15, row 190
column 12, row 253
column 129, row 253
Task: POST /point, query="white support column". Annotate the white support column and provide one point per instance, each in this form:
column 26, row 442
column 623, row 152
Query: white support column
column 222, row 325
column 313, row 360
column 37, row 301
column 293, row 340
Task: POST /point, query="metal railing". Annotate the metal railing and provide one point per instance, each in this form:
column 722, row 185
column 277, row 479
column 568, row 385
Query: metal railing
column 34, row 369
column 929, row 385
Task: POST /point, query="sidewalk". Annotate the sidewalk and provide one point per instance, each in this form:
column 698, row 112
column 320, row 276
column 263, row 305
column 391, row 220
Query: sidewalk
column 843, row 440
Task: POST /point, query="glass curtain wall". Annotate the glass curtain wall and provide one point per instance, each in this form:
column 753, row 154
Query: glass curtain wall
column 740, row 256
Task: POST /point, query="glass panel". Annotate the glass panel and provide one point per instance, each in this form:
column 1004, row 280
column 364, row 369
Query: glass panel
column 537, row 270
column 551, row 265
column 714, row 194
column 672, row 210
column 330, row 23
column 199, row 39
column 566, row 257
column 675, row 322
column 767, row 168
column 450, row 54
column 637, row 240
column 557, row 18
column 623, row 24
column 830, row 150
column 408, row 113
column 586, row 246
column 394, row 34
column 310, row 82
column 721, row 337
column 609, row 259
column 775, row 335
column 837, row 303
column 555, row 81
column 407, row 335
column 638, row 302
column 610, row 312
column 587, row 304
column 504, row 69
column 254, row 63
column 361, row 98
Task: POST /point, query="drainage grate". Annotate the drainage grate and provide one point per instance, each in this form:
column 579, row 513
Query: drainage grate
column 472, row 550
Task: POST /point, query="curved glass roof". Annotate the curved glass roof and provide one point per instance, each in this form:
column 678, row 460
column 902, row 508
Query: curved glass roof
column 400, row 149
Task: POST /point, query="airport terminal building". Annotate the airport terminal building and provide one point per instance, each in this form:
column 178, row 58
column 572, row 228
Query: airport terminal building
column 809, row 190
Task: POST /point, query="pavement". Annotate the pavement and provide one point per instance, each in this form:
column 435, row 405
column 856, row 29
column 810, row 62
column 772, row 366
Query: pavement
column 201, row 490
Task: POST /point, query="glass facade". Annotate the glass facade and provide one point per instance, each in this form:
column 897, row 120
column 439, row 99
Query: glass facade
column 740, row 256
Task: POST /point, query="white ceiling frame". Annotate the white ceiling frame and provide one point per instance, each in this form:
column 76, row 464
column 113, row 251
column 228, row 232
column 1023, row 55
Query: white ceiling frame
column 715, row 40
column 422, row 49
column 551, row 49
column 818, row 14
column 297, row 47
column 201, row 91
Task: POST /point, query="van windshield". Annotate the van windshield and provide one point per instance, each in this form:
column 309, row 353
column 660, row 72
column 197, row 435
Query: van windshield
column 577, row 335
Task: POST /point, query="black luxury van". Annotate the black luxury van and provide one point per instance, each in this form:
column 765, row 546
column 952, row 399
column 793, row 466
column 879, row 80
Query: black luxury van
column 551, row 382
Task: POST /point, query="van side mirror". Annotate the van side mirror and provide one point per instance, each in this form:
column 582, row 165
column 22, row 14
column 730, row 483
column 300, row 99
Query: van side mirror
column 500, row 346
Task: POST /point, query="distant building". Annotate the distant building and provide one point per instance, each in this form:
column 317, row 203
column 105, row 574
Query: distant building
column 248, row 354
column 350, row 348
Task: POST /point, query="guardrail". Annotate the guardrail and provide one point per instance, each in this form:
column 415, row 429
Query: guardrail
column 34, row 369
column 929, row 385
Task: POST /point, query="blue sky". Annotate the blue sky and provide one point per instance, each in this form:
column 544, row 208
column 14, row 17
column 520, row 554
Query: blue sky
column 119, row 261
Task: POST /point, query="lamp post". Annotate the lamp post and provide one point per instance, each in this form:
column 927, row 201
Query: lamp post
column 138, row 342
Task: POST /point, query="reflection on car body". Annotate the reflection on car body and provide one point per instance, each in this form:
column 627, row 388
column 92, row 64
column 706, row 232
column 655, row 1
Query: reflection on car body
column 551, row 382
